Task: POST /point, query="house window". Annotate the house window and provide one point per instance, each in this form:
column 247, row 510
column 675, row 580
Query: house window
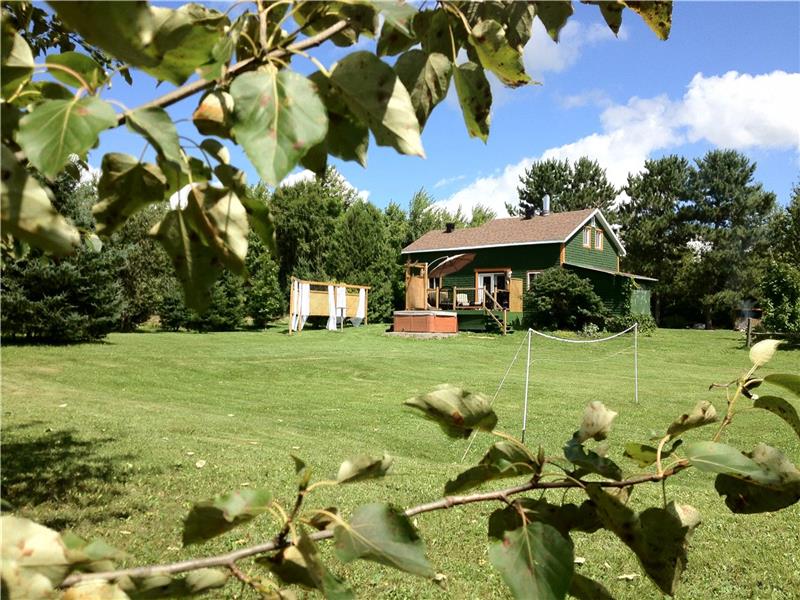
column 587, row 237
column 434, row 282
column 598, row 239
column 531, row 275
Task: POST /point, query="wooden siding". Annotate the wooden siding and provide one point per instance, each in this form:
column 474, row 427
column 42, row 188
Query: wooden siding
column 520, row 259
column 577, row 254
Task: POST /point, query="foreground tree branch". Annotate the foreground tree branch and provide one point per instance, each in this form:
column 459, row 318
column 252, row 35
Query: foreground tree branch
column 230, row 558
column 190, row 89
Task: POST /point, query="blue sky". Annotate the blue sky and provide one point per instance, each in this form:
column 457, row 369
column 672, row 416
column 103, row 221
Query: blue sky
column 729, row 76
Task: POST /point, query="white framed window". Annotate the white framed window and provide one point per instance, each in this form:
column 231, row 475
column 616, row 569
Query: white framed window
column 587, row 237
column 530, row 276
column 598, row 239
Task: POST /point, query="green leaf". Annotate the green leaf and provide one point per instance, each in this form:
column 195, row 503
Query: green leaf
column 276, row 132
column 782, row 408
column 316, row 159
column 55, row 129
column 702, row 414
column 584, row 588
column 125, row 187
column 348, row 137
column 518, row 19
column 214, row 114
column 504, row 459
column 475, row 98
column 457, row 411
column 427, row 78
column 713, row 457
column 657, row 15
column 535, row 561
column 659, row 537
column 16, row 66
column 596, row 422
column 762, row 352
column 214, row 517
column 399, row 14
column 432, row 28
column 27, row 212
column 34, row 559
column 382, row 533
column 746, row 496
column 564, row 517
column 258, row 214
column 301, row 565
column 645, row 455
column 612, row 13
column 363, row 467
column 361, row 18
column 218, row 150
column 196, row 265
column 85, row 66
column 219, row 217
column 786, row 381
column 81, row 553
column 124, row 29
column 177, row 176
column 157, row 127
column 591, row 461
column 553, row 14
column 188, row 39
column 205, row 579
column 496, row 54
column 374, row 93
column 393, row 41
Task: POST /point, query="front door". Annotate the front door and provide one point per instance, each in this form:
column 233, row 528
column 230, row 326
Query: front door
column 491, row 282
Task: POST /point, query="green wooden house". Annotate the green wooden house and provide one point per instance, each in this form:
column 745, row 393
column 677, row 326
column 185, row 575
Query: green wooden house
column 490, row 266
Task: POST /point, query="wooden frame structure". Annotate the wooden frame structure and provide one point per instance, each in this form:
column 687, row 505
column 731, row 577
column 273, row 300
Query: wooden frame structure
column 318, row 300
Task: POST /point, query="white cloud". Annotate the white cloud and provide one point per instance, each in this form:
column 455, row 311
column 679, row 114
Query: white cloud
column 292, row 178
column 307, row 175
column 542, row 54
column 733, row 110
column 593, row 97
column 448, row 180
column 744, row 111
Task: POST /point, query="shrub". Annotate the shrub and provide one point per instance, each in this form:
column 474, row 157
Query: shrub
column 590, row 330
column 647, row 324
column 560, row 299
column 75, row 299
column 266, row 301
column 226, row 311
column 780, row 288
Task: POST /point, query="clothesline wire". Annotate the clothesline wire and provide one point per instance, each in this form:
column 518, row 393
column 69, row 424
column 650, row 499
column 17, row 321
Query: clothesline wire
column 497, row 391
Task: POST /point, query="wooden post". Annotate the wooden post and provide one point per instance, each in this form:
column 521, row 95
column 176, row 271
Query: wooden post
column 366, row 306
column 749, row 332
column 505, row 321
column 455, row 297
column 291, row 304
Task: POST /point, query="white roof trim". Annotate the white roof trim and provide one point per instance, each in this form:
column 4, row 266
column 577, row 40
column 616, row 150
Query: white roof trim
column 596, row 213
column 404, row 251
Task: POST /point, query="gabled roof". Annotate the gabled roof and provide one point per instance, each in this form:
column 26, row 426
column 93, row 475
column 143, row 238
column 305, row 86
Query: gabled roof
column 555, row 228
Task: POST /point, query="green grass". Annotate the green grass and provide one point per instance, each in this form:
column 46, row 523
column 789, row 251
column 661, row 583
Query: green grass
column 103, row 439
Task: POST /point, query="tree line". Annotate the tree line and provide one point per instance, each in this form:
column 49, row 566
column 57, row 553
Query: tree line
column 710, row 234
column 324, row 231
column 713, row 236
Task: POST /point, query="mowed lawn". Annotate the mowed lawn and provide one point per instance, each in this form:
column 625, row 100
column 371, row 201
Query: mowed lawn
column 104, row 439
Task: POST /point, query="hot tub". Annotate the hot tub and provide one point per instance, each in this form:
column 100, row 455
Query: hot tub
column 425, row 321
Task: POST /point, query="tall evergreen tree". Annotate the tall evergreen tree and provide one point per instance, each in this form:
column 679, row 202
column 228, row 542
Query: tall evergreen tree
column 363, row 255
column 72, row 299
column 570, row 187
column 729, row 219
column 653, row 229
column 305, row 217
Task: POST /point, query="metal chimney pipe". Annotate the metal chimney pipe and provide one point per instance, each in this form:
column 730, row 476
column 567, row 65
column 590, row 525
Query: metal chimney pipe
column 546, row 205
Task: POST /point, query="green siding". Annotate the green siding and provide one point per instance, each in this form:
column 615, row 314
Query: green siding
column 520, row 259
column 591, row 257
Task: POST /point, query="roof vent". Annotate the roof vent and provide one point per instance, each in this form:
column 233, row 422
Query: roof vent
column 449, row 227
column 546, row 205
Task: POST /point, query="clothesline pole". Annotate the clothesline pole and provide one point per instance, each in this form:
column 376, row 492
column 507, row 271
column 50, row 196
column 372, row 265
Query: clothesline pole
column 636, row 362
column 291, row 306
column 527, row 377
